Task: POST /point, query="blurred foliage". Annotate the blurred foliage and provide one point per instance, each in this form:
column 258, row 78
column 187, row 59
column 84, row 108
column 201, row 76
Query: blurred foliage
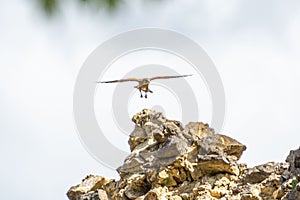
column 52, row 6
column 109, row 3
column 49, row 6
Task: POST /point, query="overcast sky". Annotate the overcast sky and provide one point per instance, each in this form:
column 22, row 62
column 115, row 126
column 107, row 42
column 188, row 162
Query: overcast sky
column 255, row 46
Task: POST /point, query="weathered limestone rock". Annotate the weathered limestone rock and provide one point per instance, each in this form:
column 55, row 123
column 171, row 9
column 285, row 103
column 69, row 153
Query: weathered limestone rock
column 102, row 195
column 136, row 186
column 295, row 193
column 198, row 130
column 270, row 185
column 294, row 160
column 155, row 143
column 260, row 172
column 88, row 185
column 221, row 144
column 250, row 192
column 278, row 194
column 169, row 162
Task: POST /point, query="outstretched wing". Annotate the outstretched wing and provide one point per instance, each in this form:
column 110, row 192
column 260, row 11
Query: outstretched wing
column 166, row 77
column 121, row 80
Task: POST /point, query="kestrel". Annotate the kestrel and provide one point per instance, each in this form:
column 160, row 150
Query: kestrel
column 143, row 82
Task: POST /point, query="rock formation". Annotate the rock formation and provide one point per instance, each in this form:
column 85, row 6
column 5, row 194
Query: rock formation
column 168, row 161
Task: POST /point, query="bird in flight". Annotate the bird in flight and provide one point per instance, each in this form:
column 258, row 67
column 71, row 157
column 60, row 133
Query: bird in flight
column 143, row 83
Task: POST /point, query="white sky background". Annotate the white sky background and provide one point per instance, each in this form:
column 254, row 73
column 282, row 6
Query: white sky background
column 254, row 45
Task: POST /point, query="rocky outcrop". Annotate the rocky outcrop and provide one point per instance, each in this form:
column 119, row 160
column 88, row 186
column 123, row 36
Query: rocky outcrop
column 169, row 161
